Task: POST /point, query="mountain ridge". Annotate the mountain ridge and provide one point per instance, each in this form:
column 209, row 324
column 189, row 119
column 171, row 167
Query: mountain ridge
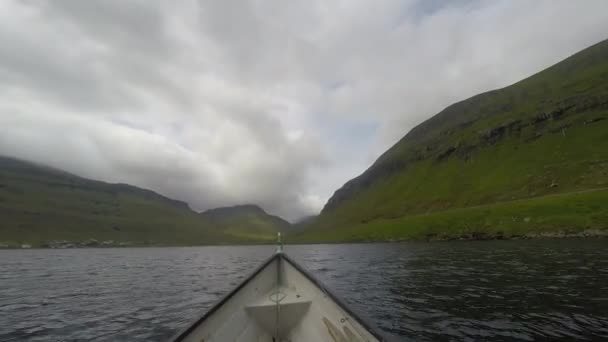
column 428, row 125
column 32, row 166
column 46, row 206
column 232, row 218
column 522, row 141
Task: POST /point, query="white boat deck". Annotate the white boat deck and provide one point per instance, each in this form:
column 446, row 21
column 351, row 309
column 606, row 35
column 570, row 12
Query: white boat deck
column 279, row 303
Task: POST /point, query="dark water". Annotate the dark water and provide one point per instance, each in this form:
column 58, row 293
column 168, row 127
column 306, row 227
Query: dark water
column 460, row 291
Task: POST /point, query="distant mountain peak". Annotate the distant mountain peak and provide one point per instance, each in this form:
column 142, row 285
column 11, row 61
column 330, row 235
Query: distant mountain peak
column 235, row 208
column 246, row 217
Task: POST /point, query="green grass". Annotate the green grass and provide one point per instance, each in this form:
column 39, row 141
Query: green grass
column 38, row 204
column 247, row 222
column 566, row 213
column 511, row 170
column 547, row 134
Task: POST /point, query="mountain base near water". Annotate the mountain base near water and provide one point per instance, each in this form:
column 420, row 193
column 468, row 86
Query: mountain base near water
column 575, row 215
column 46, row 207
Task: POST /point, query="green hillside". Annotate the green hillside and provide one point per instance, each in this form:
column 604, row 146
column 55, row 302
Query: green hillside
column 40, row 206
column 545, row 135
column 247, row 222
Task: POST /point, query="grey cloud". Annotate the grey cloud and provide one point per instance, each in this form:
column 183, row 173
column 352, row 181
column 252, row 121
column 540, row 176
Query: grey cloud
column 50, row 70
column 135, row 25
column 272, row 102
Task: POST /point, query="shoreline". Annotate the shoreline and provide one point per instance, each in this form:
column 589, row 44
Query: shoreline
column 475, row 236
column 559, row 234
column 527, row 237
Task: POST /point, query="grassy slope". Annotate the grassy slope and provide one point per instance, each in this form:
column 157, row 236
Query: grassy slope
column 39, row 204
column 247, row 222
column 545, row 135
column 564, row 213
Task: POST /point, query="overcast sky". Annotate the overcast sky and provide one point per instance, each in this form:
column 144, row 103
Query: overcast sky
column 270, row 102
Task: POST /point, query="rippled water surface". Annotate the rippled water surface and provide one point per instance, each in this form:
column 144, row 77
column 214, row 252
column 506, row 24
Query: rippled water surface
column 461, row 291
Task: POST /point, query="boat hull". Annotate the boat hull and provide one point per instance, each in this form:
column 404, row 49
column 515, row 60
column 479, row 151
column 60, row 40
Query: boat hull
column 280, row 301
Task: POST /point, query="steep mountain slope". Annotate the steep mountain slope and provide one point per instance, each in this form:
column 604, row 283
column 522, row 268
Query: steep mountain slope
column 547, row 134
column 40, row 205
column 246, row 221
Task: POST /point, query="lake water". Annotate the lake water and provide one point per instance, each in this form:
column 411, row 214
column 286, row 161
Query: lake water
column 460, row 291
